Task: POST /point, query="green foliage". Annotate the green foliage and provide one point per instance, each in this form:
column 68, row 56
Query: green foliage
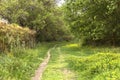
column 101, row 66
column 13, row 36
column 94, row 20
column 22, row 63
column 40, row 15
column 93, row 63
column 57, row 66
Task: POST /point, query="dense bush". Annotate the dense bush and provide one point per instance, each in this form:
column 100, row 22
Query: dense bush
column 101, row 66
column 41, row 15
column 96, row 21
column 14, row 36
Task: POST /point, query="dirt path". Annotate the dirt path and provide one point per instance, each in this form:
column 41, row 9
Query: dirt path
column 42, row 67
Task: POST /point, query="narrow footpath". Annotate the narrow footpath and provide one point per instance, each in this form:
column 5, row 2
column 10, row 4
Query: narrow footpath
column 42, row 67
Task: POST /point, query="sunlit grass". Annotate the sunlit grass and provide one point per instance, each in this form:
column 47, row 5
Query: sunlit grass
column 94, row 63
column 22, row 63
column 57, row 68
column 71, row 45
column 68, row 61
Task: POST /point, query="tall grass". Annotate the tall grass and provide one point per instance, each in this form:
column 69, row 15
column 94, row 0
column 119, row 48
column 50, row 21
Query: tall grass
column 22, row 63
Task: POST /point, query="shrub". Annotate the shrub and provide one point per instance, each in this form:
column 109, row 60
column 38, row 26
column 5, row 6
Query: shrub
column 14, row 36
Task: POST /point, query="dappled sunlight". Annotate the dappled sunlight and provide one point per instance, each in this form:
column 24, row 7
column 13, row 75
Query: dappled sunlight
column 57, row 68
column 71, row 45
column 97, row 67
column 79, row 39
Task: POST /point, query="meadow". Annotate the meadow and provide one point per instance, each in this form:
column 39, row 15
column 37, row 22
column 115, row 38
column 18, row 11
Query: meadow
column 72, row 62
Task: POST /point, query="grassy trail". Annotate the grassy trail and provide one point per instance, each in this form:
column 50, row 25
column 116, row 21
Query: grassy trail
column 22, row 63
column 42, row 66
column 57, row 67
column 69, row 61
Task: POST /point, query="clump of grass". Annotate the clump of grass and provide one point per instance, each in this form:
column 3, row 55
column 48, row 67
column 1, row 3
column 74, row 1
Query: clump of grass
column 101, row 66
column 22, row 63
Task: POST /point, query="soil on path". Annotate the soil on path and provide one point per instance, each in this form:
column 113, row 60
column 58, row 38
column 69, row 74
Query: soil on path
column 40, row 70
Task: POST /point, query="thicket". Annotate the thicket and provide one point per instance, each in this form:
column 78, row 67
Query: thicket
column 96, row 22
column 101, row 66
column 13, row 36
column 41, row 15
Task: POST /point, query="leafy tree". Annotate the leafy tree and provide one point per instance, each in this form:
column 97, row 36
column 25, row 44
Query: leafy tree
column 40, row 15
column 94, row 20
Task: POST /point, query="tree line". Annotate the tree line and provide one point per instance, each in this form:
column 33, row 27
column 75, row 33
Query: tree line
column 92, row 21
column 43, row 16
column 95, row 21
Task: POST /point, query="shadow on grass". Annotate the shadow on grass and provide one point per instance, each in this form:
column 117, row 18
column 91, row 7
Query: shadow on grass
column 76, row 50
column 80, row 60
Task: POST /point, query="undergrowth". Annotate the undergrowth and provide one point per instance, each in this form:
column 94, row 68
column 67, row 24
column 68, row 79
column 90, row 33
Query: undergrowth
column 102, row 65
column 22, row 63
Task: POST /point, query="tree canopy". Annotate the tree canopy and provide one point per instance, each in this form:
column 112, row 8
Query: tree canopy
column 41, row 15
column 94, row 20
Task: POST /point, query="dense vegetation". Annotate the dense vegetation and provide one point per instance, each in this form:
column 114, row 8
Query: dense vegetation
column 22, row 63
column 13, row 36
column 90, row 27
column 41, row 15
column 94, row 21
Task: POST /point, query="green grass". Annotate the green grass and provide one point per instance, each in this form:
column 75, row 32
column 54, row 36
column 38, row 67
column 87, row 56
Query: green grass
column 22, row 63
column 57, row 68
column 68, row 62
column 71, row 62
column 91, row 63
column 100, row 64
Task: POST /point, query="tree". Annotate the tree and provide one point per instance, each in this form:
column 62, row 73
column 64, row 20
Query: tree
column 94, row 20
column 40, row 15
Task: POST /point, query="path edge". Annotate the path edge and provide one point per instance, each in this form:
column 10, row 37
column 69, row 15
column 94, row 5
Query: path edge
column 42, row 66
